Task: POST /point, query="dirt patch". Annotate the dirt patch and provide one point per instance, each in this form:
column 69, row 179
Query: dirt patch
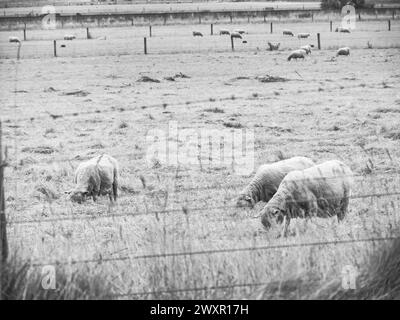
column 39, row 149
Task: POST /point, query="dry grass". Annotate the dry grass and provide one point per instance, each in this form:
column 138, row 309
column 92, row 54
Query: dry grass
column 288, row 118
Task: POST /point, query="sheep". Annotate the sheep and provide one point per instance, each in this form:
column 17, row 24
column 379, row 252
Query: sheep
column 306, row 48
column 267, row 179
column 322, row 191
column 341, row 29
column 288, row 33
column 273, row 46
column 297, row 54
column 197, row 34
column 343, row 51
column 236, row 35
column 224, row 31
column 303, row 35
column 240, row 31
column 69, row 37
column 95, row 177
column 14, row 39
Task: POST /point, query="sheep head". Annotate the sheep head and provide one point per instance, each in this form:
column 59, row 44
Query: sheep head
column 269, row 213
column 245, row 201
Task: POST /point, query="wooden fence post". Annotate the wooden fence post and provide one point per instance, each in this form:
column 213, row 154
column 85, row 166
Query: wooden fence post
column 55, row 47
column 145, row 45
column 232, row 45
column 3, row 220
column 212, row 29
column 389, row 26
column 319, row 41
column 331, row 25
column 272, row 28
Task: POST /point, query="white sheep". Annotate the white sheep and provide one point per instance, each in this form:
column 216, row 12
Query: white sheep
column 273, row 46
column 303, row 35
column 306, row 48
column 320, row 191
column 197, row 34
column 288, row 33
column 95, row 177
column 267, row 179
column 343, row 51
column 341, row 29
column 297, row 54
column 224, row 31
column 69, row 37
column 236, row 35
column 14, row 39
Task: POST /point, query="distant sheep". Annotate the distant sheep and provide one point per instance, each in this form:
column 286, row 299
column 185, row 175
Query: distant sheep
column 267, row 179
column 320, row 191
column 288, row 33
column 14, row 39
column 224, row 31
column 236, row 35
column 341, row 29
column 240, row 31
column 297, row 54
column 343, row 51
column 273, row 46
column 306, row 48
column 197, row 34
column 303, row 35
column 95, row 177
column 69, row 37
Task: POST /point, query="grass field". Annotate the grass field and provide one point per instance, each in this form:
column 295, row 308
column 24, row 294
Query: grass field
column 345, row 108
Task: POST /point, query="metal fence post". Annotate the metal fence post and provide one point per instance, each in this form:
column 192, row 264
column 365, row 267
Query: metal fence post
column 55, row 47
column 145, row 45
column 319, row 41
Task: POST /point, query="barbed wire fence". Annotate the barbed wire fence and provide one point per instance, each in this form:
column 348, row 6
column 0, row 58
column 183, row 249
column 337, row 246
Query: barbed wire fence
column 156, row 213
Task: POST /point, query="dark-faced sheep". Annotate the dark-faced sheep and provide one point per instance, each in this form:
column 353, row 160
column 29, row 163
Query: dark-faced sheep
column 320, row 191
column 14, row 39
column 288, row 33
column 303, row 35
column 297, row 54
column 343, row 51
column 306, row 48
column 224, row 32
column 240, row 31
column 197, row 34
column 273, row 46
column 267, row 179
column 95, row 177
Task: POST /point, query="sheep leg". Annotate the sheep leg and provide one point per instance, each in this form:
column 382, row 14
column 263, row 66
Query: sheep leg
column 115, row 191
column 343, row 208
column 286, row 227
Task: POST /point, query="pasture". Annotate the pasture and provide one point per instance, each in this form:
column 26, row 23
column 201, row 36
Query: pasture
column 175, row 232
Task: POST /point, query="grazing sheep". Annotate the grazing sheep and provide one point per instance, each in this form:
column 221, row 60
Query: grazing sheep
column 224, row 31
column 288, row 33
column 341, row 29
column 197, row 34
column 303, row 35
column 95, row 177
column 14, row 39
column 69, row 37
column 343, row 51
column 306, row 48
column 267, row 179
column 321, row 191
column 236, row 35
column 273, row 46
column 240, row 31
column 297, row 54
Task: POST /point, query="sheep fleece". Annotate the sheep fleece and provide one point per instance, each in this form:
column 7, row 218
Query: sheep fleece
column 322, row 191
column 268, row 177
column 98, row 176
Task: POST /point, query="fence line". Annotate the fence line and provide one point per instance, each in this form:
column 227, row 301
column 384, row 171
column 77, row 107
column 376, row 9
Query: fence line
column 185, row 210
column 215, row 251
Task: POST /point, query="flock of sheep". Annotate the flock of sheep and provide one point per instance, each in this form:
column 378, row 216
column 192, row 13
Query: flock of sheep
column 296, row 54
column 291, row 188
